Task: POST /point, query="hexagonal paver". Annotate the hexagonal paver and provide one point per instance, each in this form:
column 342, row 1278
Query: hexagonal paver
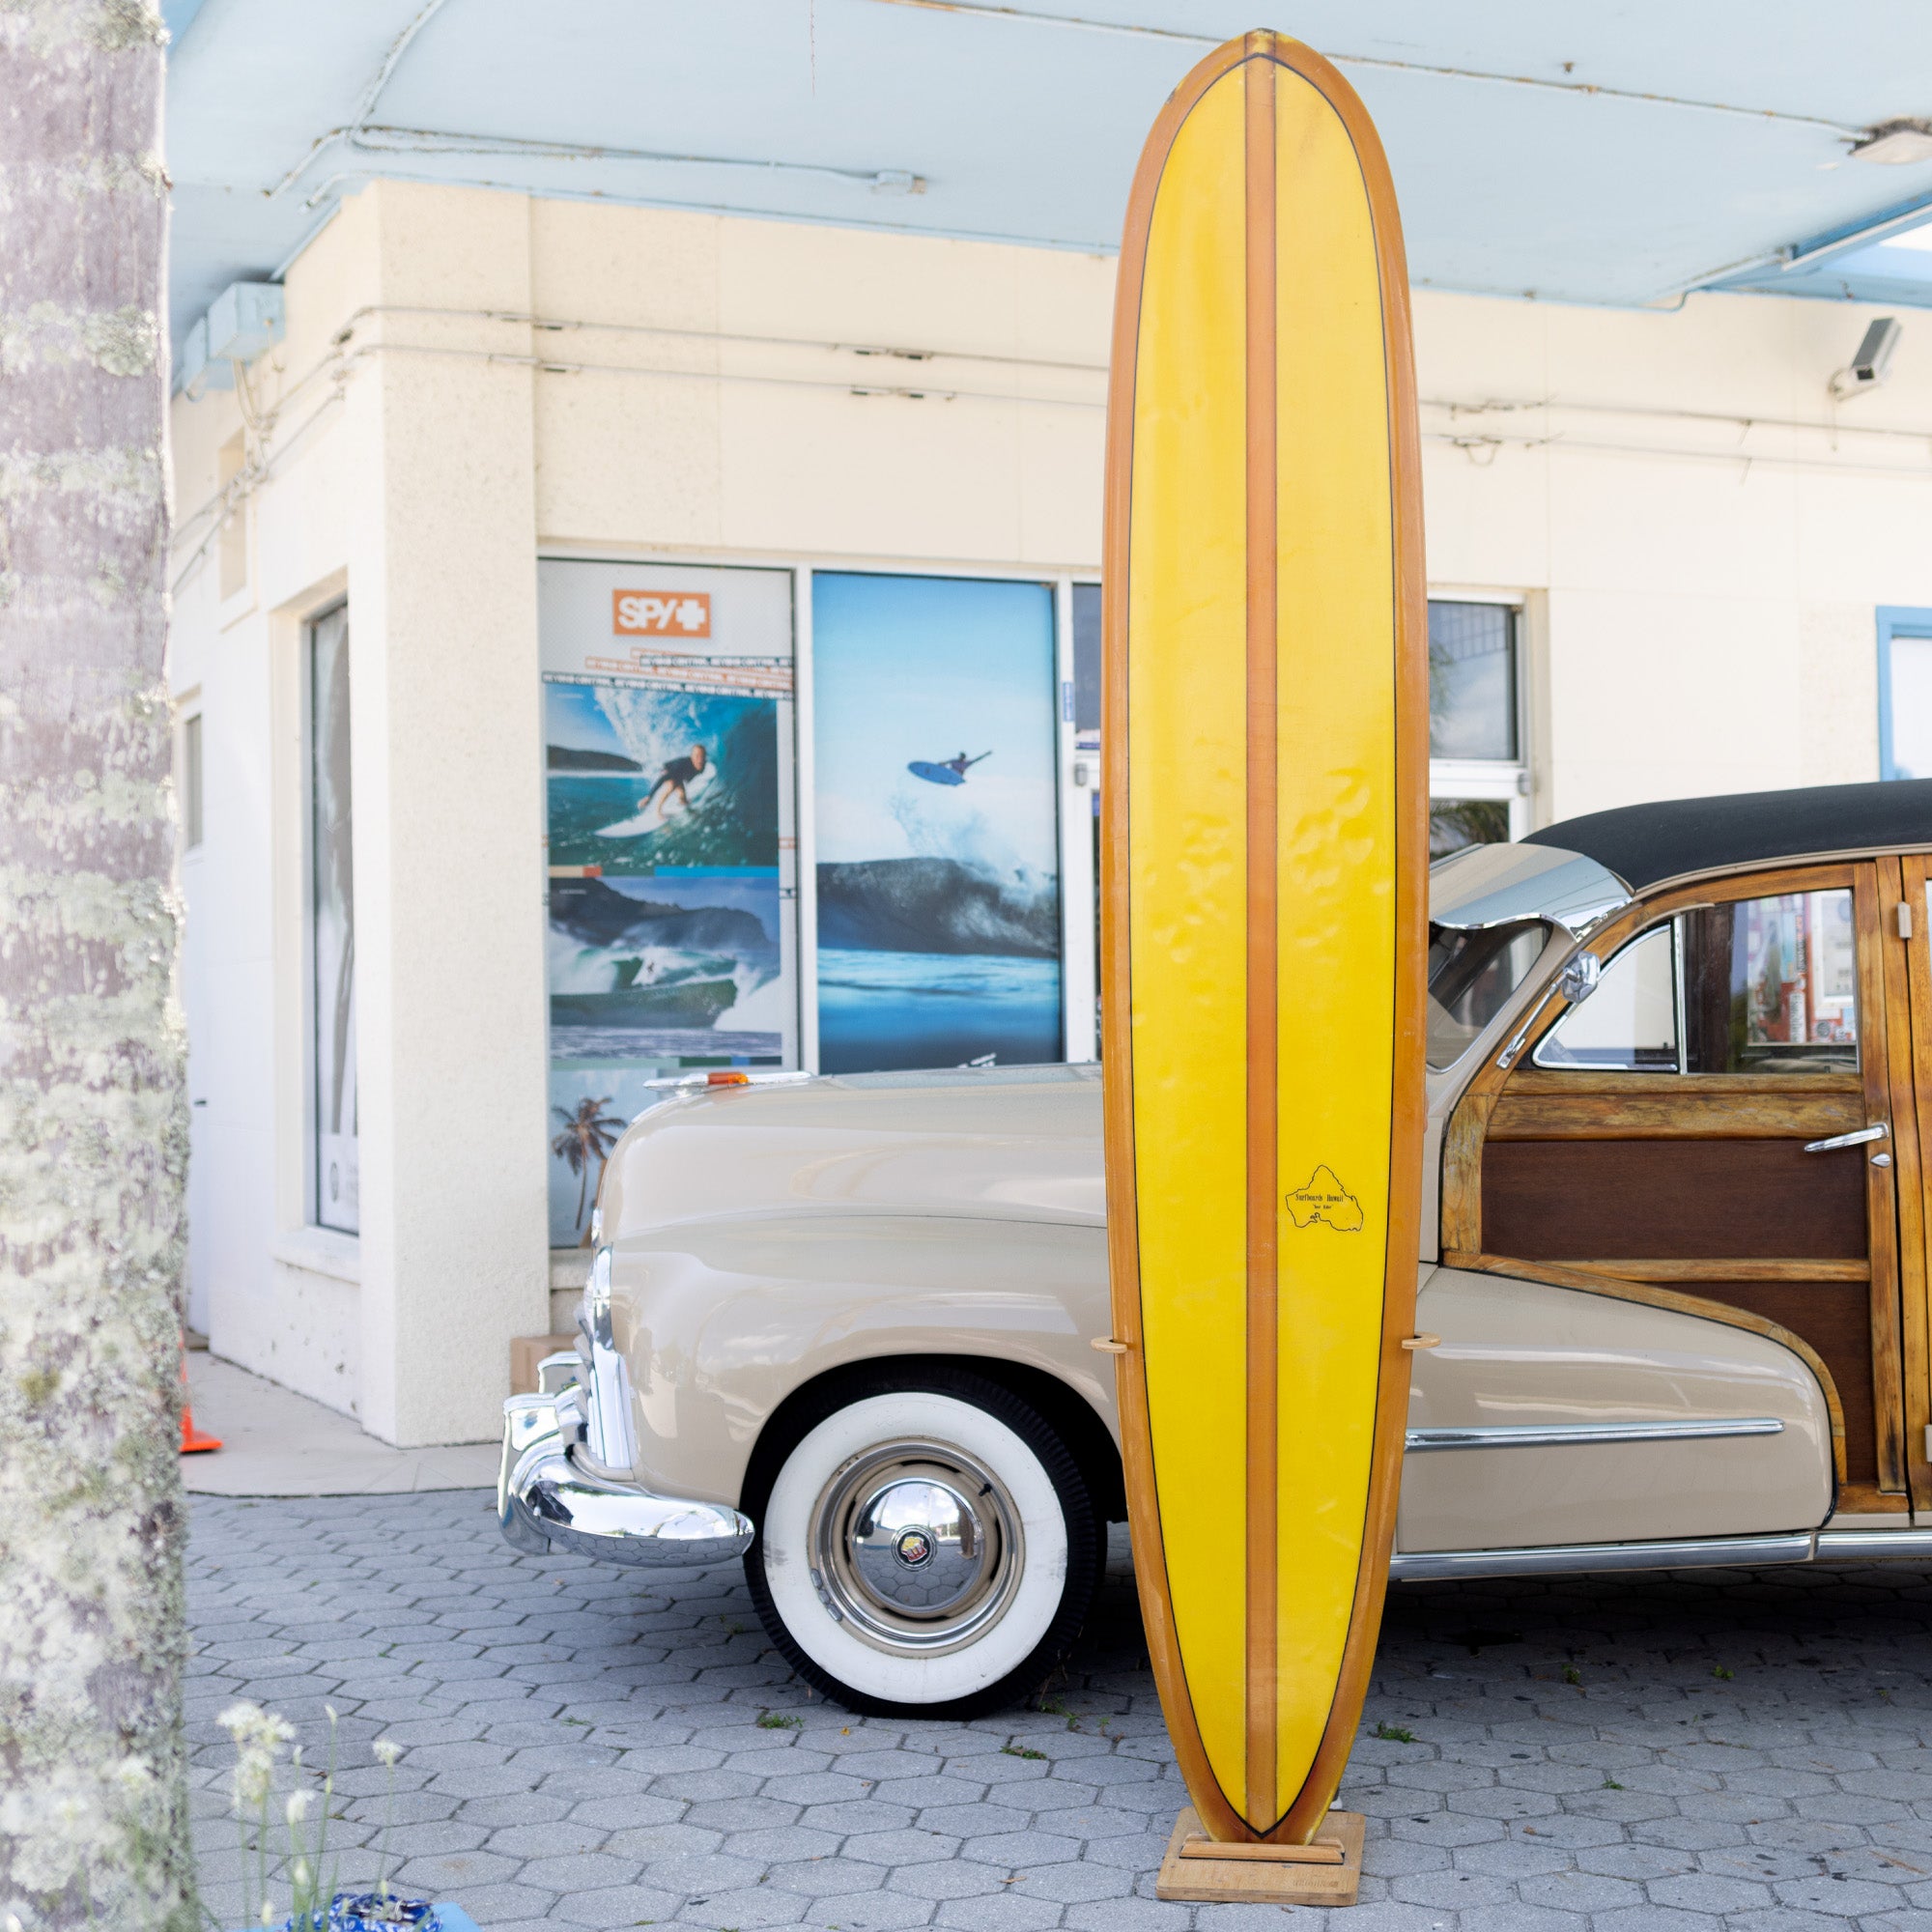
column 582, row 1748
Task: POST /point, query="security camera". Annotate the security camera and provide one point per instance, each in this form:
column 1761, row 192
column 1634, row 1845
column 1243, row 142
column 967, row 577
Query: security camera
column 1871, row 360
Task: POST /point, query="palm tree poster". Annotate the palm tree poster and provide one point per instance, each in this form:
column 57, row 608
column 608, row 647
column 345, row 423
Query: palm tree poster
column 584, row 1144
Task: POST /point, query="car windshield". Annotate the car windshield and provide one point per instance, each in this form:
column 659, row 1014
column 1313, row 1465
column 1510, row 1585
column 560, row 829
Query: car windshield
column 1471, row 976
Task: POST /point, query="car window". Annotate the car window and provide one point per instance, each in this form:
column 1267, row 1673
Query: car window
column 1770, row 986
column 1766, row 986
column 1630, row 1022
column 1471, row 976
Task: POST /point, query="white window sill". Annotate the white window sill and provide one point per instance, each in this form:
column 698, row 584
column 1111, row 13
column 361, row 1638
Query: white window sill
column 1477, row 778
column 319, row 1251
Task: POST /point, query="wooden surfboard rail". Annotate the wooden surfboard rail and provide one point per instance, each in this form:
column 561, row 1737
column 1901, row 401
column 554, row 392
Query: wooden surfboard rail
column 1277, row 1796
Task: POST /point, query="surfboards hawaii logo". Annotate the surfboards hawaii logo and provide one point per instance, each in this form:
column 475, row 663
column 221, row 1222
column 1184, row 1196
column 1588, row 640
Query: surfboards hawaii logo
column 661, row 614
column 1325, row 1200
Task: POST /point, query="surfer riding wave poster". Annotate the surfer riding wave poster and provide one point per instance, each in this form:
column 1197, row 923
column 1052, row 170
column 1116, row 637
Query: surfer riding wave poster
column 938, row 876
column 672, row 892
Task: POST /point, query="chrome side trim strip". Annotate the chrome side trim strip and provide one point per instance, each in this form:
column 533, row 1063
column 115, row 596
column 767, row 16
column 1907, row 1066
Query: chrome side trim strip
column 1566, row 1435
column 1570, row 1558
column 1873, row 1546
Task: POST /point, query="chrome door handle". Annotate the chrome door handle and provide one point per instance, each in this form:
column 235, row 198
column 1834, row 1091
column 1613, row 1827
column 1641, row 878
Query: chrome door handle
column 1859, row 1139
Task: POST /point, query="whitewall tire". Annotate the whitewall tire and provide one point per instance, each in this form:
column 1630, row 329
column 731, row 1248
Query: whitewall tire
column 927, row 1550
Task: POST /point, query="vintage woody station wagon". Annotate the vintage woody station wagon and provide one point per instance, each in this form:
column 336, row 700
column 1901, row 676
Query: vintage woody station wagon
column 1675, row 1251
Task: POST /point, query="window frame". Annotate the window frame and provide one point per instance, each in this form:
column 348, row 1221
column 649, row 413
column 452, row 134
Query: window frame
column 1505, row 780
column 1894, row 620
column 312, row 1087
column 1781, row 882
column 192, row 785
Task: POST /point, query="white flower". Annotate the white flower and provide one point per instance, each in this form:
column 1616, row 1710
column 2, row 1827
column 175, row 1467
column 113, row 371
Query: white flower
column 249, row 1726
column 298, row 1806
column 258, row 1736
column 387, row 1751
column 254, row 1774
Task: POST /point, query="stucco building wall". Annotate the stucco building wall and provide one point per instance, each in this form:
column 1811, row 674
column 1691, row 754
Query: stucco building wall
column 468, row 379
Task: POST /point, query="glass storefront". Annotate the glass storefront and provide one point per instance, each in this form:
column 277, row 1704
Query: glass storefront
column 949, row 786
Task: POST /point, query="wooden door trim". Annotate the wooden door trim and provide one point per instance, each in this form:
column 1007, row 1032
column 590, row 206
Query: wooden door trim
column 1586, row 1280
column 1881, row 1195
column 1609, row 1081
column 1909, row 1012
column 1741, row 1269
column 1679, row 1110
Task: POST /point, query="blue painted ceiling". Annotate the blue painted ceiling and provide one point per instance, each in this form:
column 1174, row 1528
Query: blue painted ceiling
column 1614, row 154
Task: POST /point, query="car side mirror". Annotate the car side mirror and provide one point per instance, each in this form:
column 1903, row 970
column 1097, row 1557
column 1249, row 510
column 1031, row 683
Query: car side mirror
column 1579, row 979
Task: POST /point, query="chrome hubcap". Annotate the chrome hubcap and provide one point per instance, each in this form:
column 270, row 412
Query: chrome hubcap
column 916, row 1547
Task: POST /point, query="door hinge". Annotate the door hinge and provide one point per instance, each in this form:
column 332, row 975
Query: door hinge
column 1904, row 919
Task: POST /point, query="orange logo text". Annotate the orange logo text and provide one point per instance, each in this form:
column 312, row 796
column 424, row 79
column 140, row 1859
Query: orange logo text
column 661, row 614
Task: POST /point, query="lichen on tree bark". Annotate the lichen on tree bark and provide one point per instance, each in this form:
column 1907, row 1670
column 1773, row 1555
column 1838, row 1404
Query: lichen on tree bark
column 93, row 1124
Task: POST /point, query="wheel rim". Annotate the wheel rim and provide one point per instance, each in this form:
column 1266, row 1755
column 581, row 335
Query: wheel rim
column 916, row 1547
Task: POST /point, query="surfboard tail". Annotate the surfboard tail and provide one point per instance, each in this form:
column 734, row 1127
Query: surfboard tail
column 1264, row 870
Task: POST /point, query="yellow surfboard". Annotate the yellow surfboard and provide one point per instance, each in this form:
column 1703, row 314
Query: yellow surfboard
column 1265, row 865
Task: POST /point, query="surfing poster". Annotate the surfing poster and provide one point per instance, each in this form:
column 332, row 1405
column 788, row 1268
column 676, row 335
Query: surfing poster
column 672, row 886
column 937, row 824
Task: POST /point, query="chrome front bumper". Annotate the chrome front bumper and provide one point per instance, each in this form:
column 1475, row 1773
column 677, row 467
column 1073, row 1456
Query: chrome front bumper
column 550, row 1497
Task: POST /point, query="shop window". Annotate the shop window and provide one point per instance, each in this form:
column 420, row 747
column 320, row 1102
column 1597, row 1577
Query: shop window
column 937, row 808
column 1905, row 694
column 1476, row 765
column 1087, row 739
column 190, row 782
column 672, row 942
column 332, row 912
column 1457, row 822
column 1086, row 663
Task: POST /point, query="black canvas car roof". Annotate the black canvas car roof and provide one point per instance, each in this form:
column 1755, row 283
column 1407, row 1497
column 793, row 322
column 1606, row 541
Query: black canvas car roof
column 1645, row 844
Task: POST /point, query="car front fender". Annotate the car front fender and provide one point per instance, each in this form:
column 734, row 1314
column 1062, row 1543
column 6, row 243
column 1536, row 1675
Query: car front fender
column 720, row 1320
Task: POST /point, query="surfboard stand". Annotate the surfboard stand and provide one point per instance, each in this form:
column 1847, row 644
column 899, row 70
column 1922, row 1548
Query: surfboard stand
column 1200, row 1870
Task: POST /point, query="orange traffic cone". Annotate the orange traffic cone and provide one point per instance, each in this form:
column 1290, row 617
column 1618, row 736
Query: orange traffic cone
column 193, row 1441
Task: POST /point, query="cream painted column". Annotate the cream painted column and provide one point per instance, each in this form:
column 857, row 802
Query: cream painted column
column 449, row 803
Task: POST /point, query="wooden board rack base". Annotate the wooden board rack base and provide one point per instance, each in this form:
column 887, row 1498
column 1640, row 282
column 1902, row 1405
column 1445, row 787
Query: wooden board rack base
column 1255, row 1874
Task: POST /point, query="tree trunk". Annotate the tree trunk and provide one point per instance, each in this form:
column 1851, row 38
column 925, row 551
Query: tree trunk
column 93, row 1123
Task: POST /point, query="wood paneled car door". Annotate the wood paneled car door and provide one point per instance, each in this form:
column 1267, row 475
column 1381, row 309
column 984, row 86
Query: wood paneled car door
column 1712, row 1129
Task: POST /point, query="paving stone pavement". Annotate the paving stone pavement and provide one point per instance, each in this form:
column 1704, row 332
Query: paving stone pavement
column 1714, row 1753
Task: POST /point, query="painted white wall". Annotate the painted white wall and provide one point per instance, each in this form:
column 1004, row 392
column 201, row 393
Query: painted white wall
column 1698, row 544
